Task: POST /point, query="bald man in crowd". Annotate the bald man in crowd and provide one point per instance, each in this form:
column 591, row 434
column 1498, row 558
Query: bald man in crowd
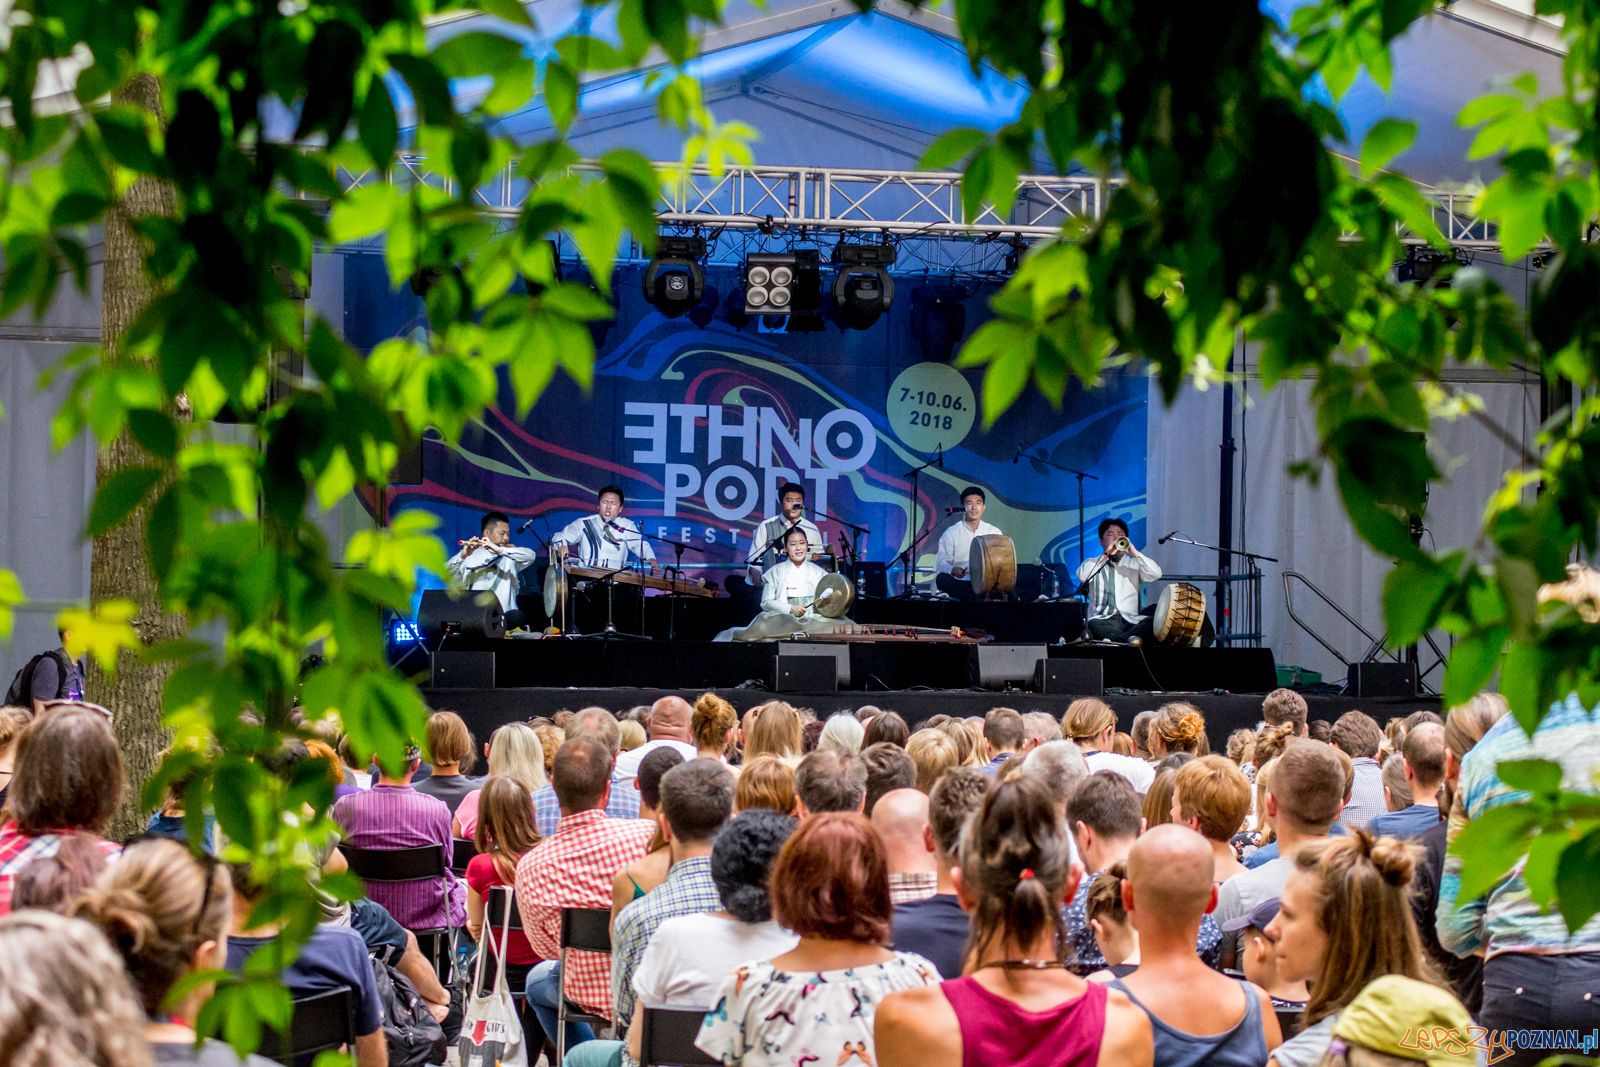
column 669, row 728
column 901, row 819
column 1199, row 1015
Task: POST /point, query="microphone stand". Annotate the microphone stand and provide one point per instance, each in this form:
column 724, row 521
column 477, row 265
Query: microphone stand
column 855, row 532
column 677, row 569
column 1080, row 475
column 908, row 557
column 1250, row 559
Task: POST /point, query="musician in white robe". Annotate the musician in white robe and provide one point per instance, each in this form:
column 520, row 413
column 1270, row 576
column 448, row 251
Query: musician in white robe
column 955, row 546
column 490, row 562
column 788, row 597
column 1114, row 588
column 604, row 539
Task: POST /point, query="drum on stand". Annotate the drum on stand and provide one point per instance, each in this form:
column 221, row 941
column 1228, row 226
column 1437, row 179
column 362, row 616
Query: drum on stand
column 992, row 563
column 834, row 596
column 1180, row 613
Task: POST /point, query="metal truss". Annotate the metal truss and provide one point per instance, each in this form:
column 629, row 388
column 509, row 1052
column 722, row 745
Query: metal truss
column 918, row 210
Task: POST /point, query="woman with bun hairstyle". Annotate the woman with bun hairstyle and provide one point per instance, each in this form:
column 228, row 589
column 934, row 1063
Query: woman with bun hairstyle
column 167, row 914
column 1016, row 1004
column 1343, row 920
column 1178, row 727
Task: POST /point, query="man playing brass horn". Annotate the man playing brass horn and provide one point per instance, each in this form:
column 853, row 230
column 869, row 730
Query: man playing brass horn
column 1112, row 582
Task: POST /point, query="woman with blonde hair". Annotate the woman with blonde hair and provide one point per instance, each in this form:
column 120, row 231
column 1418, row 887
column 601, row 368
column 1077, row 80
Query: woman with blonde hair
column 450, row 751
column 633, row 735
column 1344, row 919
column 932, row 752
column 167, row 915
column 1178, row 727
column 775, row 732
column 1258, row 832
column 65, row 1001
column 714, row 726
column 843, row 733
column 1092, row 726
column 968, row 752
column 13, row 720
column 765, row 782
column 514, row 752
column 1158, row 801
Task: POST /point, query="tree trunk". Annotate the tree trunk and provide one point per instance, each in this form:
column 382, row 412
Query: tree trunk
column 118, row 567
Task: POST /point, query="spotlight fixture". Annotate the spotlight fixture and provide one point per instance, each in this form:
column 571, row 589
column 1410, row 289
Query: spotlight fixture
column 862, row 290
column 673, row 281
column 783, row 283
column 1422, row 264
column 938, row 319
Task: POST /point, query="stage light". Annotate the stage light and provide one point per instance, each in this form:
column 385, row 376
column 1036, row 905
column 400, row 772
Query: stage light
column 673, row 281
column 862, row 290
column 783, row 283
column 938, row 319
column 404, row 632
column 737, row 318
column 1422, row 265
column 702, row 313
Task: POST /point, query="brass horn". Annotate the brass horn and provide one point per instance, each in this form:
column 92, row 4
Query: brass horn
column 1122, row 546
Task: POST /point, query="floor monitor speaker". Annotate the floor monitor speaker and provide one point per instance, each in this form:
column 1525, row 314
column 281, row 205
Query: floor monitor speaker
column 463, row 670
column 1074, row 677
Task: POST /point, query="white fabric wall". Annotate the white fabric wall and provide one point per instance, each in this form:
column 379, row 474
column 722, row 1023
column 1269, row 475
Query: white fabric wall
column 1303, row 525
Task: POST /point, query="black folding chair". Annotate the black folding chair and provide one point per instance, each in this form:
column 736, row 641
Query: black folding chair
column 500, row 898
column 1288, row 1022
column 424, row 863
column 666, row 1038
column 461, row 853
column 320, row 1022
column 589, row 930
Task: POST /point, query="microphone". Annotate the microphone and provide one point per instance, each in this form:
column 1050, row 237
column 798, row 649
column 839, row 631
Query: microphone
column 1018, row 454
column 524, row 527
column 952, row 511
column 941, row 457
column 1163, row 540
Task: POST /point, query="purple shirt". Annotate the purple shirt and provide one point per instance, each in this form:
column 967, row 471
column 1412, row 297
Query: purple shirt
column 397, row 816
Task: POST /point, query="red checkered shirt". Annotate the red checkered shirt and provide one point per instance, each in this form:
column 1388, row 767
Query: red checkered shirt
column 574, row 868
column 18, row 849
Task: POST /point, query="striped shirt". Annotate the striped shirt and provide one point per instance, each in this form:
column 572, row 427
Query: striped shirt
column 1506, row 919
column 397, row 816
column 18, row 849
column 574, row 868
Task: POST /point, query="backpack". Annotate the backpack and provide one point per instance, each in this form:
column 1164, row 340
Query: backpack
column 413, row 1035
column 21, row 692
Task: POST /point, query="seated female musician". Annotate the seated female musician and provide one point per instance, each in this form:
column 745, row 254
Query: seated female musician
column 788, row 596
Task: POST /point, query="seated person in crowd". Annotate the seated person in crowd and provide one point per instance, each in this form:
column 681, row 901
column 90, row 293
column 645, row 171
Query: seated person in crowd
column 931, row 752
column 515, row 752
column 888, row 768
column 766, row 782
column 831, row 889
column 696, row 800
column 668, row 727
column 1422, row 760
column 1013, row 1005
column 450, row 752
column 829, row 781
column 936, row 927
column 1343, row 920
column 1113, row 930
column 504, row 835
column 170, row 820
column 334, row 957
column 1104, row 815
column 900, row 820
column 1303, row 798
column 1002, row 737
column 1286, row 706
column 649, row 871
column 621, row 803
column 1358, row 736
column 68, row 781
column 393, row 815
column 13, row 721
column 1211, row 796
column 167, row 915
column 1198, row 1015
column 574, row 868
column 54, row 882
column 1091, row 724
column 1039, row 728
column 1269, row 851
column 1258, row 958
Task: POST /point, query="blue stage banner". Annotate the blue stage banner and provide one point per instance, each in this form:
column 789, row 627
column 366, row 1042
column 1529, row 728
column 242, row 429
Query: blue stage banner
column 700, row 425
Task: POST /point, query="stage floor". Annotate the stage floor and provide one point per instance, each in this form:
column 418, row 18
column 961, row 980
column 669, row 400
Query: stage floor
column 486, row 709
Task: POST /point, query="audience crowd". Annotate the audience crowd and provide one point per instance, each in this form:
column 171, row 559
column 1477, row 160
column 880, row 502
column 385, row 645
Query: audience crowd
column 865, row 889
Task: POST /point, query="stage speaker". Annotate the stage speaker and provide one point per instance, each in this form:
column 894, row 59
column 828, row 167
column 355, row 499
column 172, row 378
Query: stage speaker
column 463, row 670
column 1381, row 680
column 478, row 614
column 1072, row 677
column 1000, row 666
column 806, row 674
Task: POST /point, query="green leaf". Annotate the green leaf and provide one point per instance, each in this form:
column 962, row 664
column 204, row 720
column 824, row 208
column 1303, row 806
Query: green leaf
column 1577, row 888
column 75, row 209
column 125, row 133
column 119, row 496
column 952, row 148
column 560, row 94
column 154, row 432
column 1411, row 598
column 1488, row 107
column 1383, row 142
column 379, row 129
column 581, row 52
column 1472, row 664
column 1535, row 775
column 1408, row 205
column 428, row 88
column 1491, row 844
column 510, row 10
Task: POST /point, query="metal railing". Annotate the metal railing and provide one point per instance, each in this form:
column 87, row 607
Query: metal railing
column 1376, row 644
